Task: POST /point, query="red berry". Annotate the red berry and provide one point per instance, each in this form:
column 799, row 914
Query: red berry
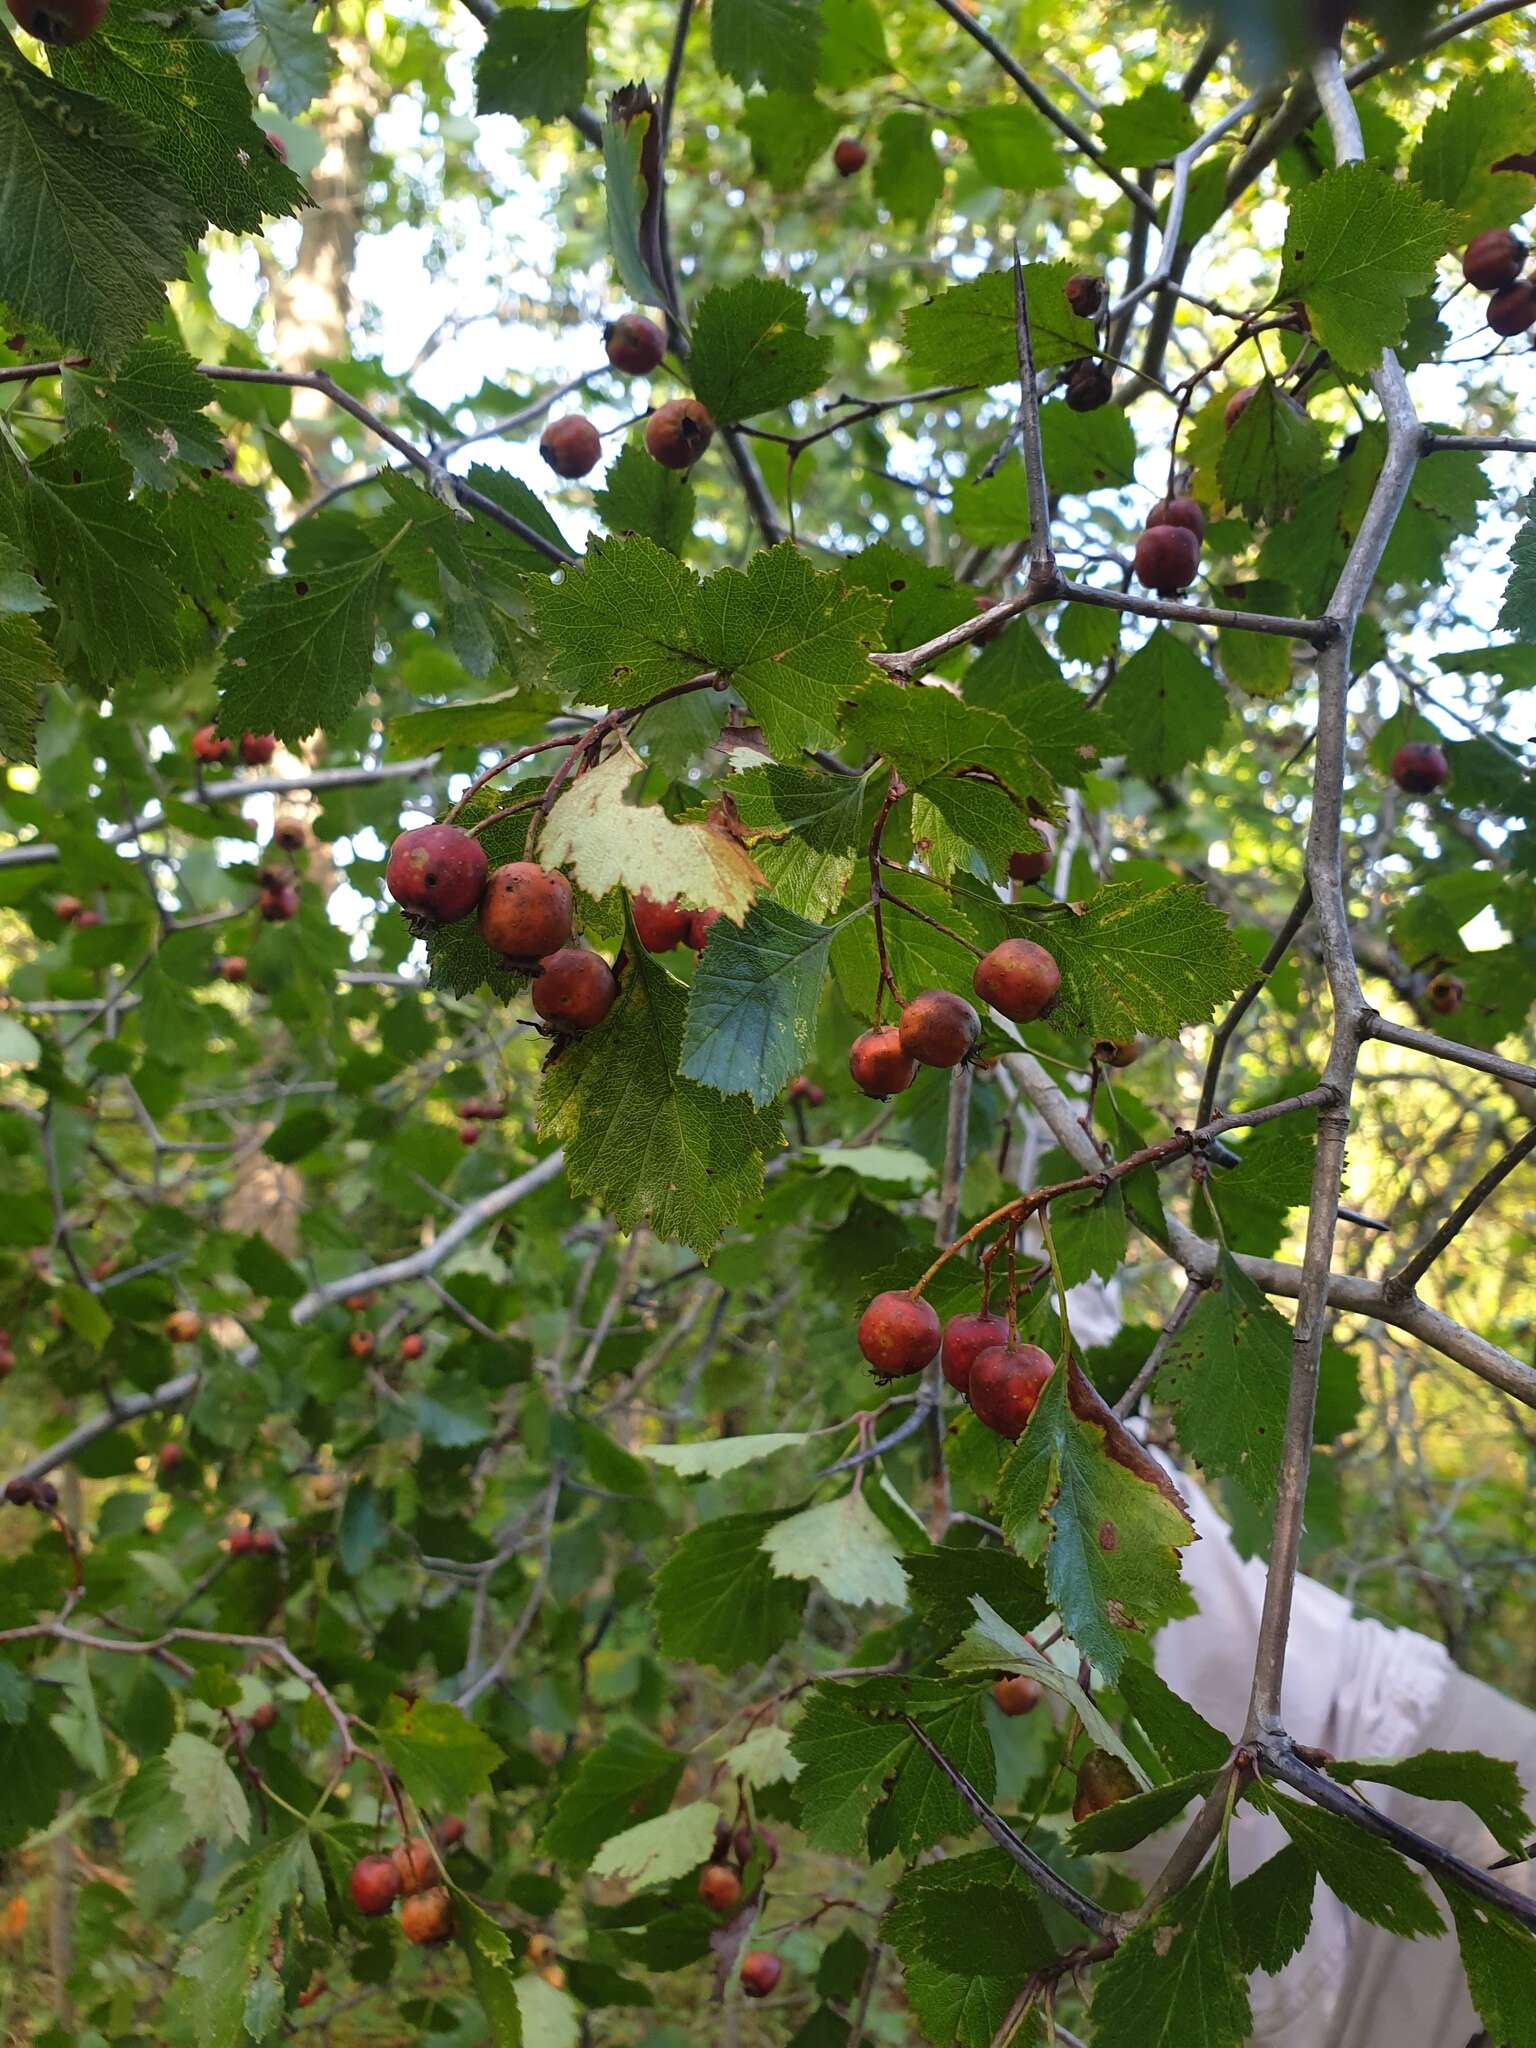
column 21, row 1493
column 47, row 1495
column 661, row 925
column 1167, row 559
column 374, row 1885
column 1089, row 386
column 263, row 1542
column 168, row 1458
column 412, row 1346
column 242, row 1542
column 898, row 1335
column 677, row 433
column 574, row 990
column 1492, row 260
column 207, row 745
column 1513, row 309
column 280, row 150
column 1018, row 978
column 449, row 1831
column 257, row 748
column 719, row 1887
column 469, row 1134
column 700, row 924
column 264, row 1715
column 360, row 1343
column 232, row 969
column 86, row 919
column 525, row 913
column 436, row 872
column 1179, row 512
column 635, row 345
column 849, row 156
column 1031, row 867
column 1444, row 994
column 67, row 908
column 965, row 1338
column 357, row 1304
column 571, row 446
column 1005, row 1385
column 938, row 1029
column 1103, row 1779
column 1085, row 295
column 59, row 22
column 1017, row 1695
column 415, row 1865
column 877, row 1063
column 1419, row 768
column 760, row 1971
column 183, row 1326
column 7, row 1361
column 428, row 1917
column 802, row 1089
column 280, row 904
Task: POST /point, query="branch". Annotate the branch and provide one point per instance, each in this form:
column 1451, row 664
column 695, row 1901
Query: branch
column 1400, row 1285
column 1039, row 1873
column 1486, row 444
column 1375, row 1026
column 1278, row 949
column 474, row 1216
column 764, row 511
column 1042, row 562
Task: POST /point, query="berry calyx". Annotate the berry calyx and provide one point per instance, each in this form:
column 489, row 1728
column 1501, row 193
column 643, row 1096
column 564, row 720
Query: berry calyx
column 415, row 1865
column 1444, row 994
column 1179, row 512
column 59, row 22
column 257, row 748
column 635, row 345
column 232, row 969
column 1103, row 1780
column 412, row 1345
column 719, row 1887
column 541, row 1950
column 1513, row 309
column 427, row 1918
column 1006, row 1382
column 849, row 156
column 1419, row 768
column 700, row 925
column 878, row 1065
column 661, row 926
column 1031, row 866
column 207, row 745
column 360, row 1343
column 1493, row 259
column 574, row 990
column 938, row 1029
column 1167, row 558
column 965, row 1338
column 1017, row 1695
column 677, row 433
column 436, row 872
column 571, row 446
column 1085, row 295
column 760, row 1971
column 374, row 1885
column 1116, row 1052
column 898, row 1335
column 1089, row 386
column 469, row 1135
column 1018, row 978
column 183, row 1326
column 525, row 912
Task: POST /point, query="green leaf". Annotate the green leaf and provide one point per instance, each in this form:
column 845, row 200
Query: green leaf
column 533, row 62
column 215, row 1973
column 1490, row 115
column 908, row 177
column 1142, row 960
column 717, row 1599
column 1226, row 1375
column 1078, row 1483
column 1273, row 1176
column 752, row 1008
column 1499, row 1957
column 1487, row 1784
column 1177, row 1980
column 968, row 335
column 794, row 640
column 35, row 1768
column 1358, row 246
column 27, row 670
column 302, row 654
column 301, row 1132
column 216, row 532
column 1087, row 451
column 1148, row 129
column 1012, row 146
column 642, row 1139
column 300, row 61
column 662, row 1850
column 993, row 511
column 853, row 46
column 1518, row 614
column 805, row 829
column 1363, row 1873
column 1130, row 1821
column 991, row 1645
column 751, row 352
column 1272, row 1911
column 1167, row 707
column 713, row 1459
column 639, row 496
column 443, row 1760
column 1016, row 678
column 96, row 222
column 852, row 1751
column 211, row 1795
column 621, row 625
column 944, row 1582
column 788, row 131
column 629, row 1777
column 842, row 1546
column 965, row 1997
column 767, row 42
column 489, row 1955
column 1182, row 1738
column 154, row 406
column 1270, row 455
column 195, row 98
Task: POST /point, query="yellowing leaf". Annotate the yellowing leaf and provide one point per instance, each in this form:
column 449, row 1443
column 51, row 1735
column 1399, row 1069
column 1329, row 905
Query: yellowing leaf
column 662, row 1850
column 843, row 1546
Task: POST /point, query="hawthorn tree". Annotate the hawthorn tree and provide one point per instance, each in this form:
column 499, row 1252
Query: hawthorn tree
column 554, row 1496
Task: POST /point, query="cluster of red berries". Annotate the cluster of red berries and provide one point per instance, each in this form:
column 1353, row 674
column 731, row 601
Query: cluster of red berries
column 32, row 1493
column 1089, row 384
column 279, row 897
column 409, row 1874
column 676, row 434
column 473, row 1113
column 256, row 748
column 1492, row 263
column 1168, row 551
column 940, row 1029
column 252, row 1543
column 900, row 1334
column 70, row 910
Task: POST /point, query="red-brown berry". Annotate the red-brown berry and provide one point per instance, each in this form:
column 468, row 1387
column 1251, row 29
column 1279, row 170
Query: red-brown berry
column 1419, row 768
column 661, row 926
column 21, row 1493
column 803, row 1089
column 232, row 969
column 849, row 157
column 898, row 1335
column 760, row 1971
column 183, row 1326
column 635, row 345
column 427, row 1917
column 1513, row 309
column 1116, row 1052
column 436, row 872
column 1089, row 387
column 59, row 22
column 1017, row 1695
column 264, row 1715
column 1032, row 865
column 360, row 1343
column 1103, row 1780
column 257, row 748
column 966, row 1336
column 1006, row 1382
column 719, row 1887
column 278, row 905
column 208, row 746
column 1167, row 559
column 525, row 912
column 412, row 1346
column 67, row 908
column 168, row 1459
column 571, row 446
column 1492, row 260
column 677, row 433
column 415, row 1865
column 449, row 1831
column 1018, row 978
column 1444, row 994
column 938, row 1029
column 574, row 990
column 1179, row 512
column 1085, row 295
column 700, row 924
column 878, row 1065
column 374, row 1885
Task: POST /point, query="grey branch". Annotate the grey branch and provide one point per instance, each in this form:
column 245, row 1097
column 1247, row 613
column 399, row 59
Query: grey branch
column 1400, row 1285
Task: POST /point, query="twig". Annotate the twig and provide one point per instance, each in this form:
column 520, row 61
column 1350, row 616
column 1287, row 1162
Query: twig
column 1183, row 1309
column 530, row 1607
column 1278, row 949
column 1401, row 1284
column 1042, row 561
column 1375, row 1026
